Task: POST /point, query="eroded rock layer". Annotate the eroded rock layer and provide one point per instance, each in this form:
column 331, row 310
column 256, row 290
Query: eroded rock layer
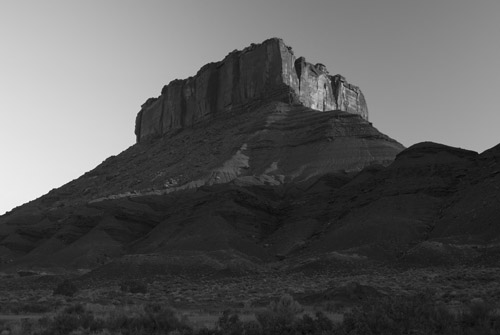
column 233, row 171
column 267, row 71
column 433, row 205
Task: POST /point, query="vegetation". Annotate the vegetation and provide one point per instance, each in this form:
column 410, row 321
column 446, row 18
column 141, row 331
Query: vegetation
column 419, row 315
column 154, row 319
column 133, row 286
column 66, row 288
column 391, row 315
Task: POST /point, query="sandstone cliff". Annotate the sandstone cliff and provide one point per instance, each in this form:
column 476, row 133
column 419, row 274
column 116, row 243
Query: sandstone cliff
column 267, row 71
column 277, row 125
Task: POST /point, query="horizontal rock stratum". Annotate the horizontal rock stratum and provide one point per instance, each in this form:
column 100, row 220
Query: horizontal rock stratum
column 261, row 72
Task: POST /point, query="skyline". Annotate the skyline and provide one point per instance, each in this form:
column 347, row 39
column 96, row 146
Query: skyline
column 74, row 74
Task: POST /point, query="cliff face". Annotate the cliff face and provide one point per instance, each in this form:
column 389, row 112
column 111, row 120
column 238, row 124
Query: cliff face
column 268, row 71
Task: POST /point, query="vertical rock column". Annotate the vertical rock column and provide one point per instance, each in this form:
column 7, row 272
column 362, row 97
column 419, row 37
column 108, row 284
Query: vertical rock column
column 349, row 98
column 315, row 88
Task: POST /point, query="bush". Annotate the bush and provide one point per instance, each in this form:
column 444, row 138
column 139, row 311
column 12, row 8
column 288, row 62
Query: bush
column 286, row 306
column 389, row 316
column 133, row 286
column 400, row 315
column 72, row 318
column 279, row 316
column 156, row 319
column 419, row 315
column 66, row 288
column 31, row 308
column 230, row 324
column 480, row 318
column 319, row 325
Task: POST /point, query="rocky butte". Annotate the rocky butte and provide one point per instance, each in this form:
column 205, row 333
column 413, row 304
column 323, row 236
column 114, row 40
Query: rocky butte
column 265, row 168
column 242, row 160
column 267, row 71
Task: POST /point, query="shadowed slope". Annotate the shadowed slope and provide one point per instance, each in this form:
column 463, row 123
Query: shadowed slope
column 148, row 198
column 419, row 209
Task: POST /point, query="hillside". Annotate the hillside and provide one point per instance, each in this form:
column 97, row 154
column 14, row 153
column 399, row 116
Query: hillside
column 262, row 162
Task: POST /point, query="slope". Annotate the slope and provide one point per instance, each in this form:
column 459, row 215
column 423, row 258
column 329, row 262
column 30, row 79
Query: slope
column 162, row 195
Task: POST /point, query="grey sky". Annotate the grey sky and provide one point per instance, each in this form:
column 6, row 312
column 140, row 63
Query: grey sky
column 73, row 74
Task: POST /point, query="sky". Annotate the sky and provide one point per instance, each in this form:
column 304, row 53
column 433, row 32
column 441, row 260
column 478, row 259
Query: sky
column 73, row 74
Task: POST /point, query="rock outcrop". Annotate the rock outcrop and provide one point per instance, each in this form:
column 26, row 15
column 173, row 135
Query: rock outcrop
column 273, row 170
column 267, row 71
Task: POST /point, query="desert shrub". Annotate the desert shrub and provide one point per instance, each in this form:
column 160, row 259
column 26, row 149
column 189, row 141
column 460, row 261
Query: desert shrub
column 334, row 307
column 480, row 318
column 309, row 325
column 44, row 322
column 71, row 319
column 133, row 286
column 252, row 328
column 286, row 306
column 419, row 315
column 400, row 315
column 279, row 316
column 31, row 308
column 391, row 315
column 3, row 325
column 273, row 324
column 229, row 324
column 66, row 288
column 156, row 319
column 27, row 326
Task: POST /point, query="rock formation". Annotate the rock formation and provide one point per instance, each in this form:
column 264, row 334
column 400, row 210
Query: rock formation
column 263, row 72
column 264, row 167
column 284, row 140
